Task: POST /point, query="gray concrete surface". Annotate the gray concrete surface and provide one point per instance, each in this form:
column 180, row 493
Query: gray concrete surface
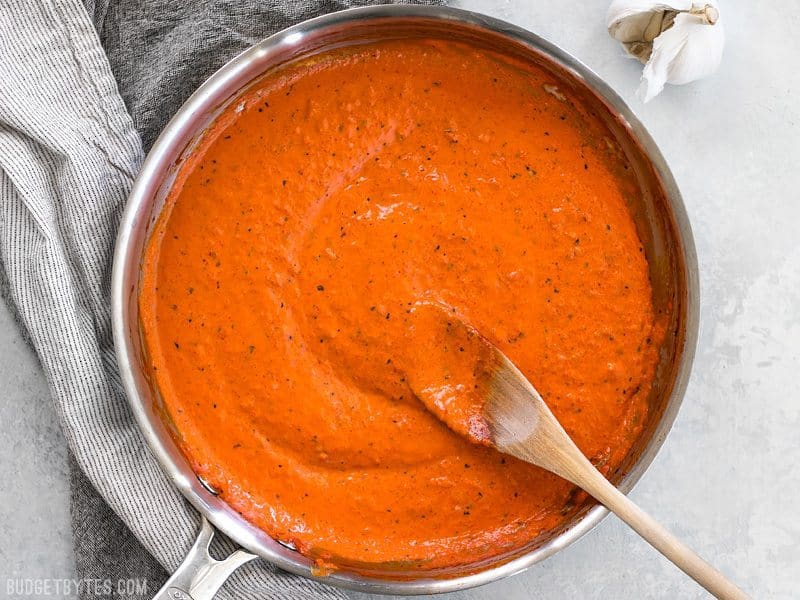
column 728, row 478
column 35, row 538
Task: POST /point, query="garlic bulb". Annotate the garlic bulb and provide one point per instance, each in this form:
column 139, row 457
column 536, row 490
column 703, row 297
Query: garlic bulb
column 678, row 42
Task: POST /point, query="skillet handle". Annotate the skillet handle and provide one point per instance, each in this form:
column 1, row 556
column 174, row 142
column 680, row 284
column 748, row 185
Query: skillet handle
column 200, row 576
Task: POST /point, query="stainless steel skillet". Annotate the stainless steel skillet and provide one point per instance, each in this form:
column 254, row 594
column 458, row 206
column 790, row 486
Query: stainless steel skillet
column 657, row 209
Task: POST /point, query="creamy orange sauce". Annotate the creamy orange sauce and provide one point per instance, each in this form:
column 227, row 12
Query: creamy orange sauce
column 279, row 286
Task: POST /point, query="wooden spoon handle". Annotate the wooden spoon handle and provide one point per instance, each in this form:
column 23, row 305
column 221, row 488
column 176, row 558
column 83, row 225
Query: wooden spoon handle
column 662, row 540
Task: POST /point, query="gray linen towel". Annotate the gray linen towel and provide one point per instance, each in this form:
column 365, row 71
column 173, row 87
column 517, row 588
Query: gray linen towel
column 69, row 151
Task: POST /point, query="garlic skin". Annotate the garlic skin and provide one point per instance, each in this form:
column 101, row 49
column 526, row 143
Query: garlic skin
column 678, row 42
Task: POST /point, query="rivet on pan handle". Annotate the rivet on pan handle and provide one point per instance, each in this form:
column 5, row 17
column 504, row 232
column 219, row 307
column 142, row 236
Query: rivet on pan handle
column 200, row 576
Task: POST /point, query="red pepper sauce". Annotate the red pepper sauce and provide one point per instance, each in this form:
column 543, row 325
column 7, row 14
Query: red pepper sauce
column 327, row 202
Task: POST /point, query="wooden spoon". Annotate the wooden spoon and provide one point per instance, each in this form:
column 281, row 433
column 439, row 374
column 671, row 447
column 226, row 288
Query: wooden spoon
column 517, row 421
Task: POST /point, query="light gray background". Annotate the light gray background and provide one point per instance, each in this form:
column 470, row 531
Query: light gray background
column 727, row 479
